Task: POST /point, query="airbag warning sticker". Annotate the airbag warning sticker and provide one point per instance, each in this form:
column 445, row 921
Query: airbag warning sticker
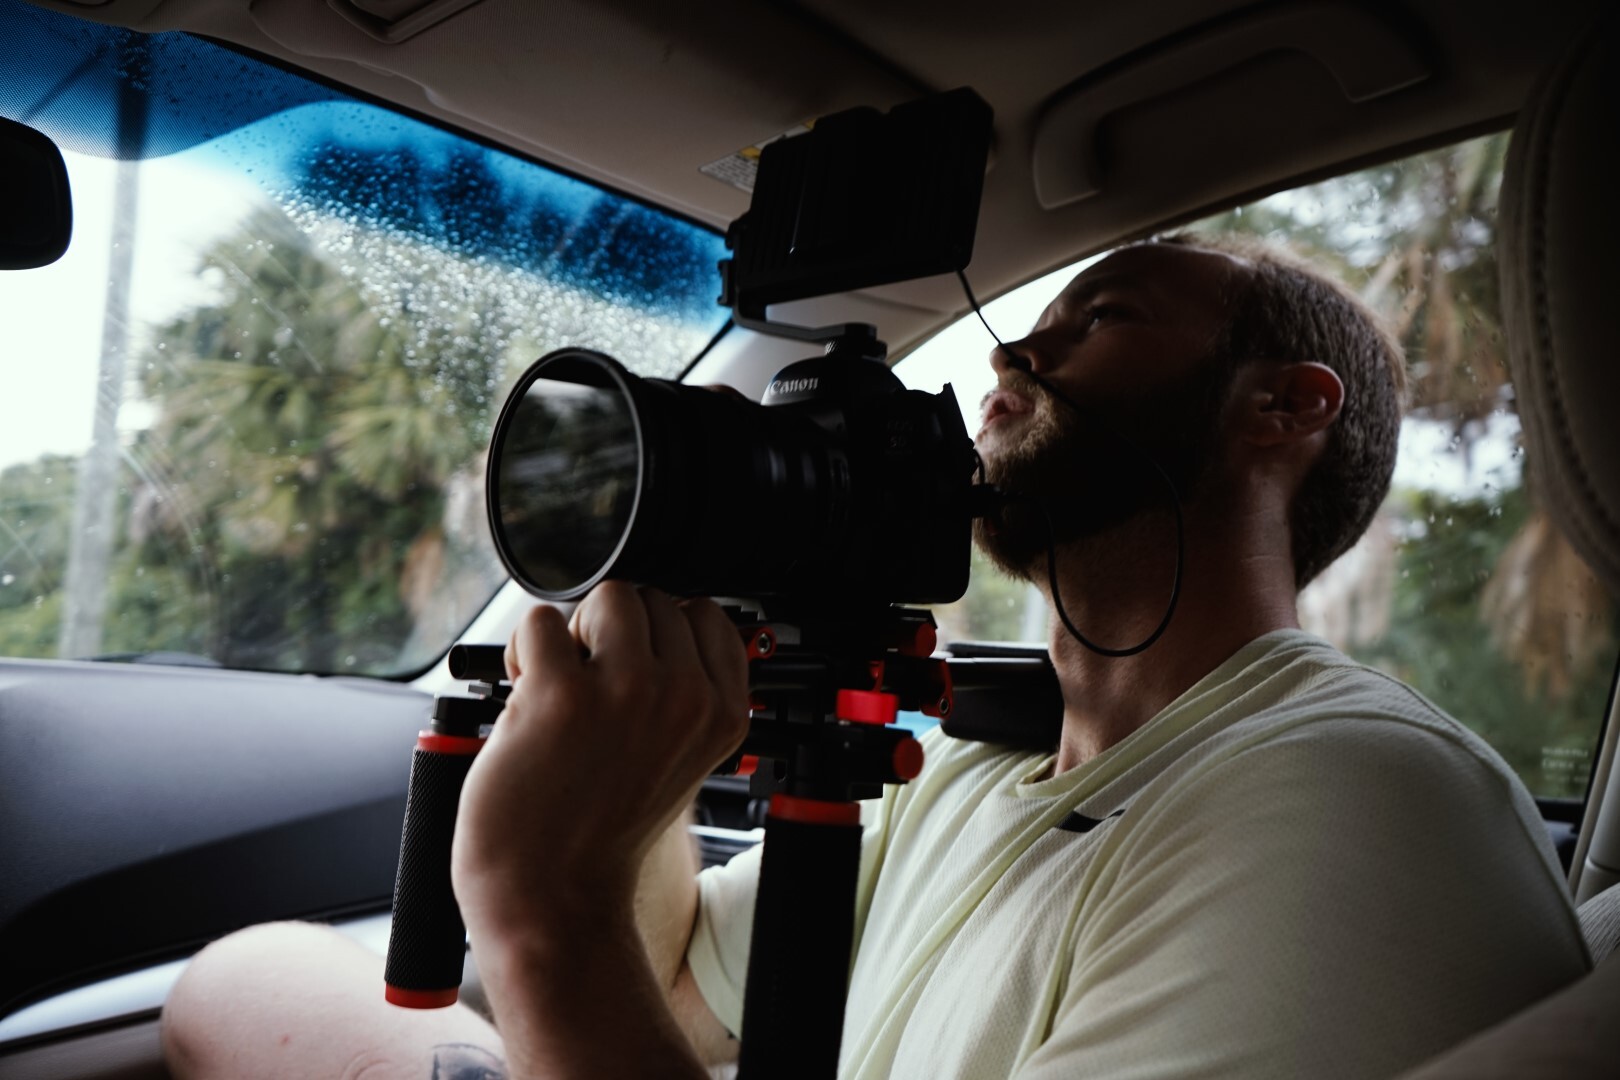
column 739, row 169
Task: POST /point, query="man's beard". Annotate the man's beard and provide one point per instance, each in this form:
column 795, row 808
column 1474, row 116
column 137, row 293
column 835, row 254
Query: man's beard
column 1090, row 472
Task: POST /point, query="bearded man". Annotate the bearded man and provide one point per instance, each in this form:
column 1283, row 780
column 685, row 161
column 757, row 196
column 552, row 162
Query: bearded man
column 1249, row 856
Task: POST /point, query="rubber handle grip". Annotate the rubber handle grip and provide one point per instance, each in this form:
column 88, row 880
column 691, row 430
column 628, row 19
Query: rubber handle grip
column 798, row 964
column 427, row 943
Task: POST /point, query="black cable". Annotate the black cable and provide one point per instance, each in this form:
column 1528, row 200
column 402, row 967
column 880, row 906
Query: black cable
column 1023, row 365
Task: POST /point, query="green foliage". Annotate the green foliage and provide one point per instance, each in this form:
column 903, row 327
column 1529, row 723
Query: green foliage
column 1438, row 642
column 36, row 515
column 30, row 629
column 156, row 610
column 992, row 610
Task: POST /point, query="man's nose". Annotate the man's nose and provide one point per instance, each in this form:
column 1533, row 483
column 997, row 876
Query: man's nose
column 1015, row 356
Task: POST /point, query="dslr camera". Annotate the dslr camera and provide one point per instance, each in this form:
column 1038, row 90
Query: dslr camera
column 841, row 491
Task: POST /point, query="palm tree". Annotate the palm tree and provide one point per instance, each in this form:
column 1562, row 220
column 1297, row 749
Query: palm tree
column 288, row 431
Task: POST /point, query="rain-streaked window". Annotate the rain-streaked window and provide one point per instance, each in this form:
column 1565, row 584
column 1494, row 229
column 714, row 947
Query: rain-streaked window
column 245, row 415
column 1462, row 587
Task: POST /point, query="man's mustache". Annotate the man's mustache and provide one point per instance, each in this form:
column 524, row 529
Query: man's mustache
column 1015, row 382
column 1078, row 415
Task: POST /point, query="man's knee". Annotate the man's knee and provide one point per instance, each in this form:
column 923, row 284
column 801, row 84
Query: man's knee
column 276, row 942
column 296, row 999
column 237, row 964
column 216, row 992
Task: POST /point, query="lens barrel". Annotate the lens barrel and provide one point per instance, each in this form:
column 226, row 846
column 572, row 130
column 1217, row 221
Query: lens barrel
column 844, row 485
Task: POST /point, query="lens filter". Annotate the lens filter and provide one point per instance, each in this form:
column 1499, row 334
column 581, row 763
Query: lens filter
column 565, row 473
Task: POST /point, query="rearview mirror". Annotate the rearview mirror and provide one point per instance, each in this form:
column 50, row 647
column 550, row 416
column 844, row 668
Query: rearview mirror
column 36, row 208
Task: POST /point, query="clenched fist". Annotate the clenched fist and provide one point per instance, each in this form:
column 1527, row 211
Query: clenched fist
column 615, row 718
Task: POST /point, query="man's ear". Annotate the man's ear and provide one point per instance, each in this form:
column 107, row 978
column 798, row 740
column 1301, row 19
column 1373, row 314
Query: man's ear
column 1285, row 403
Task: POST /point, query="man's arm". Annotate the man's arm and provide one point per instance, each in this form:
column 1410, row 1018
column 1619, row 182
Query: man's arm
column 666, row 912
column 548, row 859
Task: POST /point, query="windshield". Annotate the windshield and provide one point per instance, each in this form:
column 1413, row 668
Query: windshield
column 248, row 409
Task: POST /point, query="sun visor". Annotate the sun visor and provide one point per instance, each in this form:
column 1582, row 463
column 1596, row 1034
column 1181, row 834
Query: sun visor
column 113, row 93
column 624, row 82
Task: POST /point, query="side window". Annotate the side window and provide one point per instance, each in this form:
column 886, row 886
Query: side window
column 1461, row 588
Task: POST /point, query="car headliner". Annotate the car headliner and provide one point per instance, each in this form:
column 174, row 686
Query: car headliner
column 1183, row 106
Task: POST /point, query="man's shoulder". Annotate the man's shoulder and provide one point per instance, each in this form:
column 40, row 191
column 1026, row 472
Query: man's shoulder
column 1324, row 737
column 1287, row 706
column 1289, row 688
column 1295, row 727
column 1321, row 700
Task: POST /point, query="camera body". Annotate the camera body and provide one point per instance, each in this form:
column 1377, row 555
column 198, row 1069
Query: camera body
column 908, row 523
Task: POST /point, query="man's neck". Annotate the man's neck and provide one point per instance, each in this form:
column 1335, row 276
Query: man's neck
column 1115, row 589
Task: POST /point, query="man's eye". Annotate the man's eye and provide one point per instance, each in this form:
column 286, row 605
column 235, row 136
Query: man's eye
column 1101, row 313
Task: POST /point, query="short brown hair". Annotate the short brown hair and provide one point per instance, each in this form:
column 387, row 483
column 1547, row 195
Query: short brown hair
column 1285, row 310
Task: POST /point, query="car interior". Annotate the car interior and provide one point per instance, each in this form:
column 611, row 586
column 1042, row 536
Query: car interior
column 241, row 451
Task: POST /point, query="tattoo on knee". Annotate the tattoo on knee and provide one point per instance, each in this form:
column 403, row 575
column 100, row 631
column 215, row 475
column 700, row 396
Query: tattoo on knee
column 466, row 1061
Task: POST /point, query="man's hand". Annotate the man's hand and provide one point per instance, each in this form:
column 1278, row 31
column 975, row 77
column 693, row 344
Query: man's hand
column 613, row 721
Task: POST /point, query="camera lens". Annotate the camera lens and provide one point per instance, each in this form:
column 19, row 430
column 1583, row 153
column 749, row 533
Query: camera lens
column 566, row 473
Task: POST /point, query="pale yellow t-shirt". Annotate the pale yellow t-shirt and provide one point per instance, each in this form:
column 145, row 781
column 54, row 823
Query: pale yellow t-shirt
column 1300, row 868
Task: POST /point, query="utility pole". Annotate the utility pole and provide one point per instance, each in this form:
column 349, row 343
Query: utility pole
column 95, row 501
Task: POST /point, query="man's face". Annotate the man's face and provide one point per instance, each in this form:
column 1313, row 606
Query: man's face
column 1130, row 342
